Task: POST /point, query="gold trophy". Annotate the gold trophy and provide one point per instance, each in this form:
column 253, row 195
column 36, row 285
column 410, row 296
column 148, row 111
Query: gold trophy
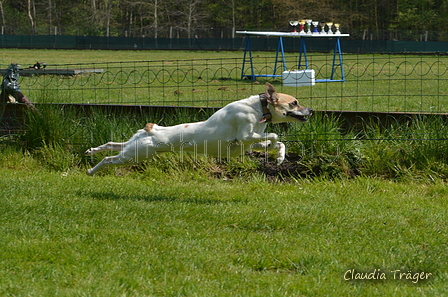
column 337, row 28
column 302, row 27
column 329, row 24
column 322, row 28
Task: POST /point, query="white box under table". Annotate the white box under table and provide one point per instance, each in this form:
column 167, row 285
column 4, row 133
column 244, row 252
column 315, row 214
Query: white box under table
column 299, row 78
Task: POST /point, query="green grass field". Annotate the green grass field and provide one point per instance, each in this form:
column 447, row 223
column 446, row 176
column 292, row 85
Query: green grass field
column 368, row 204
column 391, row 83
column 183, row 234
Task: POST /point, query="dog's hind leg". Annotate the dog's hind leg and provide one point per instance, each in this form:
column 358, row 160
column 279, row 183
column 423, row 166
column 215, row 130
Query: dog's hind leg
column 110, row 146
column 132, row 153
column 116, row 146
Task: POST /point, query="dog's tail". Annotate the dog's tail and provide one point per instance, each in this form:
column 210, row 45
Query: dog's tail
column 149, row 127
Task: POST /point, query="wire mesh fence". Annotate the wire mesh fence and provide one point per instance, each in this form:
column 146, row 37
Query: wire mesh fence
column 386, row 83
column 379, row 88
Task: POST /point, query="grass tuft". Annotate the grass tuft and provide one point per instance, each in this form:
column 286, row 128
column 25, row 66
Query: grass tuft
column 58, row 138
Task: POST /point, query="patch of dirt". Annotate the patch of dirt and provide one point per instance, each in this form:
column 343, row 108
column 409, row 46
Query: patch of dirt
column 289, row 170
column 295, row 167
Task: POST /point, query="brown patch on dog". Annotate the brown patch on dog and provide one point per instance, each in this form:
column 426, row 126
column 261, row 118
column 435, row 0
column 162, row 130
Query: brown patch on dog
column 148, row 127
column 186, row 126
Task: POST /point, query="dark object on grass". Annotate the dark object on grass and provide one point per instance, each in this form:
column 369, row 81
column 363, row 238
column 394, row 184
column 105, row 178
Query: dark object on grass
column 10, row 87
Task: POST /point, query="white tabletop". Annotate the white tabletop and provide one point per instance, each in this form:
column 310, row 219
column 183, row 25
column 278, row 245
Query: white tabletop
column 291, row 34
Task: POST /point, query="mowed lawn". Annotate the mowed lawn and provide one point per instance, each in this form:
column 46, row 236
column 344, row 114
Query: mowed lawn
column 141, row 234
column 168, row 231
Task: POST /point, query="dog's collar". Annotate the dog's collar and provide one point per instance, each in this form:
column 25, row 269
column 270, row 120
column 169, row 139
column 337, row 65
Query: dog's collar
column 267, row 117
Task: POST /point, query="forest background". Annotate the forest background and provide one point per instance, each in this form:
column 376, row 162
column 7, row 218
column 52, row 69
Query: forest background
column 217, row 18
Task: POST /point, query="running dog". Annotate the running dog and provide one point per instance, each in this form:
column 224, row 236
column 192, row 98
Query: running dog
column 229, row 132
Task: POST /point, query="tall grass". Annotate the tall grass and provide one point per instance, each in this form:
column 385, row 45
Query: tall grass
column 407, row 150
column 58, row 137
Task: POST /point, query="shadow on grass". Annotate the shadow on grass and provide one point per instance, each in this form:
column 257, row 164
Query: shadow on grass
column 160, row 198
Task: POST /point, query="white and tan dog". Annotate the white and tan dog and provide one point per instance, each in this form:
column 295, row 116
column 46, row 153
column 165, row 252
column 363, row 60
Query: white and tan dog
column 230, row 132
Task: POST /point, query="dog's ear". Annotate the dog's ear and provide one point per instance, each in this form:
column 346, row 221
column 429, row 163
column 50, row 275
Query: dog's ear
column 271, row 93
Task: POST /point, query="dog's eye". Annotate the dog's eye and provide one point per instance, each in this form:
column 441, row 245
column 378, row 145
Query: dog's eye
column 294, row 103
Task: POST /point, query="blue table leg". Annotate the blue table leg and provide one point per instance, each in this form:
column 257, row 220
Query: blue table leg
column 302, row 52
column 280, row 49
column 247, row 49
column 246, row 59
column 337, row 53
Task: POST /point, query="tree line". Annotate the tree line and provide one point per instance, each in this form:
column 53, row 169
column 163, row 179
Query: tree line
column 187, row 18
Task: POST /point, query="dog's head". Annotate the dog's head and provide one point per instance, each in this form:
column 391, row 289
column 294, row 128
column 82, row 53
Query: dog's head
column 285, row 108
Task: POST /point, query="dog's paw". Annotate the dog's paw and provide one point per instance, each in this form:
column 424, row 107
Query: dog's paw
column 281, row 153
column 280, row 160
column 89, row 152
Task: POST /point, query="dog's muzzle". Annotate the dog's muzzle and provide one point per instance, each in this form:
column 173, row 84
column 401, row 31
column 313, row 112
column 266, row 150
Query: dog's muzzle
column 301, row 116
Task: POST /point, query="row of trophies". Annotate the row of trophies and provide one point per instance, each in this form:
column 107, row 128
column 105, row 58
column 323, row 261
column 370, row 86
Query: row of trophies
column 315, row 27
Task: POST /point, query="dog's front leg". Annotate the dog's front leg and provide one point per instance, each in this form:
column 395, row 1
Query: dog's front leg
column 267, row 145
column 268, row 141
column 281, row 152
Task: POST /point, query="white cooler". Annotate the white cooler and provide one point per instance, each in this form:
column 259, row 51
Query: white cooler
column 299, row 78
